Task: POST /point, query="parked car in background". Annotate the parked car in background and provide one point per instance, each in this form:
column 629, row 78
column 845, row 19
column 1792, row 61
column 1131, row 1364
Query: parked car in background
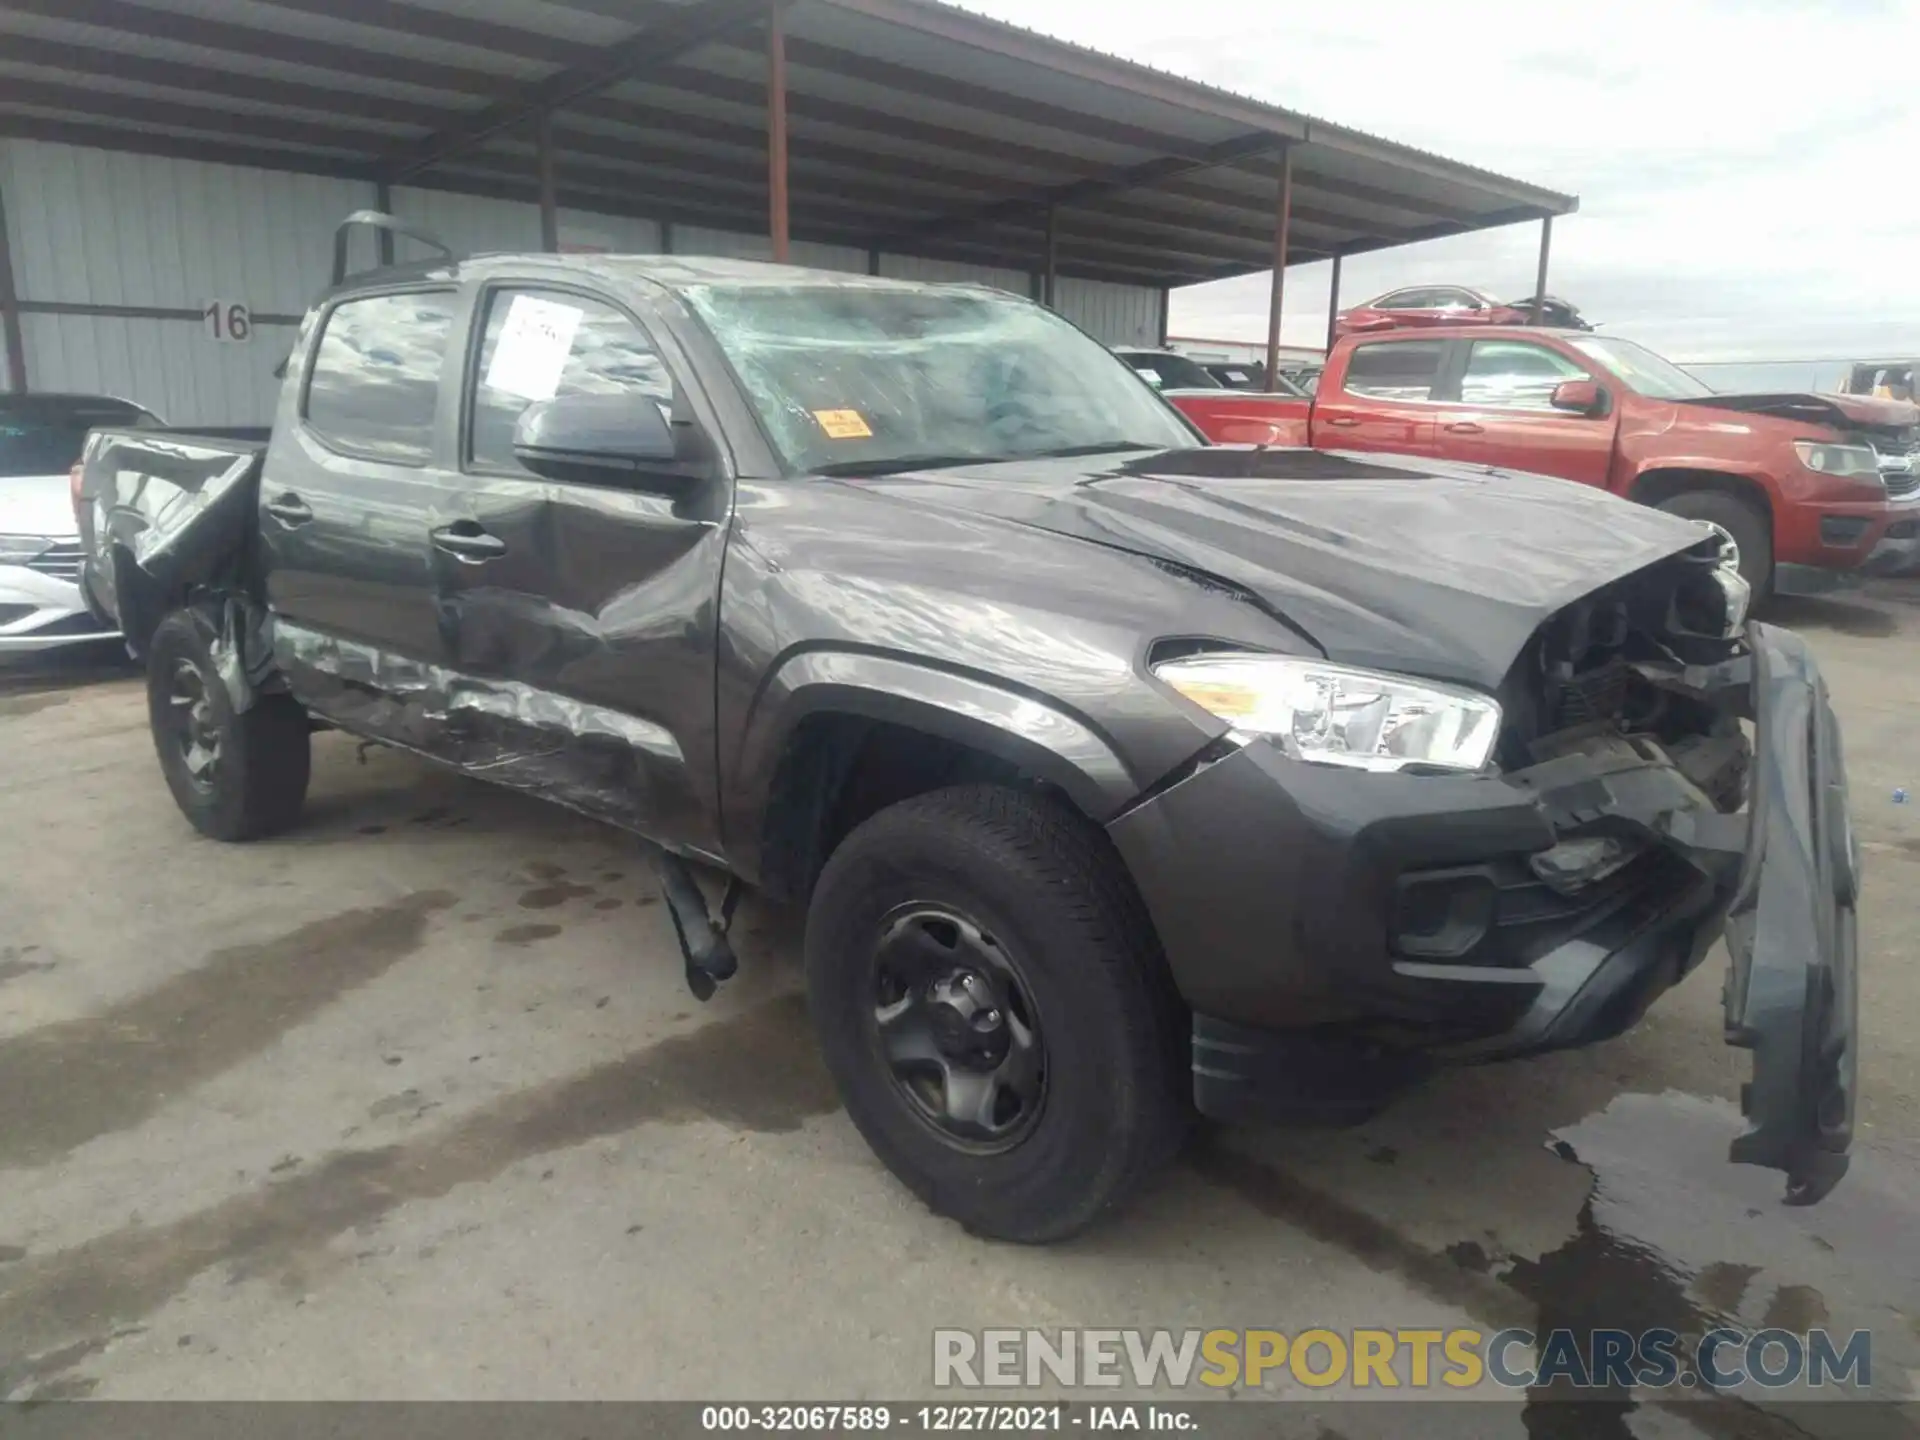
column 1119, row 775
column 1429, row 305
column 1806, row 491
column 41, row 437
column 1237, row 376
column 1167, row 371
column 1226, row 415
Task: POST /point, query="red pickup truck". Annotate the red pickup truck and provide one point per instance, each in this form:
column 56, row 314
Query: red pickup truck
column 1807, row 490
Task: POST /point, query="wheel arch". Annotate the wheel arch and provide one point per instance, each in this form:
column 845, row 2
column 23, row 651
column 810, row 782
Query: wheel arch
column 839, row 735
column 1661, row 483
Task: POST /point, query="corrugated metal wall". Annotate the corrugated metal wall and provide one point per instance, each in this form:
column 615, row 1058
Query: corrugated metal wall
column 108, row 229
column 1116, row 314
column 102, row 228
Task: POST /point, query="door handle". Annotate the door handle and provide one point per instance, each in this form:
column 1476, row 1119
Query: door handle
column 467, row 542
column 1464, row 427
column 1345, row 422
column 289, row 509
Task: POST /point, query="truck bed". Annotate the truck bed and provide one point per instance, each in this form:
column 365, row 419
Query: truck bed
column 162, row 512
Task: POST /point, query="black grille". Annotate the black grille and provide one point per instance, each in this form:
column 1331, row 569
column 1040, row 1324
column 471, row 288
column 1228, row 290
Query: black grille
column 62, row 562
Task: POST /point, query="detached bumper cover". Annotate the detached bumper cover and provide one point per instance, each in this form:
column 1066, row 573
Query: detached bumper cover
column 1792, row 994
column 1335, row 931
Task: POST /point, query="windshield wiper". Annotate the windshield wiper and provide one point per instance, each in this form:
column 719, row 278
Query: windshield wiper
column 894, row 464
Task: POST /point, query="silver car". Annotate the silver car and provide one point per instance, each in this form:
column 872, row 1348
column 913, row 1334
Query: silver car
column 41, row 436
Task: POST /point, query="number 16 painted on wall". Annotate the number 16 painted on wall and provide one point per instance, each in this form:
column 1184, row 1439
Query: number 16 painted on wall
column 227, row 321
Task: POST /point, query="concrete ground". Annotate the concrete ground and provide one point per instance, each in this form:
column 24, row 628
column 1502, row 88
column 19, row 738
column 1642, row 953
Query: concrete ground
column 414, row 1103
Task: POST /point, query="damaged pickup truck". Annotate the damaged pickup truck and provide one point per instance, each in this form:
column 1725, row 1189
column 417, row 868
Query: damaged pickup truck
column 1120, row 776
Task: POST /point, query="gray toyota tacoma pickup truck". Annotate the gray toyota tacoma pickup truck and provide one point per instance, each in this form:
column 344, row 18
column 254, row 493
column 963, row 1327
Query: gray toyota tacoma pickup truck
column 1121, row 777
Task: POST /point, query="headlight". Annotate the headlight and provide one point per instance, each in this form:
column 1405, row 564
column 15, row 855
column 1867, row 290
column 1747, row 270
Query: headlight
column 1854, row 461
column 1335, row 715
column 18, row 549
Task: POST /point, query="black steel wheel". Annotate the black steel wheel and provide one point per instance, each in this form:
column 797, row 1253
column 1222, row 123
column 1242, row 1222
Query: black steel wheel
column 992, row 1001
column 236, row 775
column 958, row 1028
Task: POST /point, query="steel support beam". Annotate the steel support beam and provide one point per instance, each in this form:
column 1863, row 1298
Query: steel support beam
column 1540, row 278
column 685, row 29
column 1276, row 296
column 549, row 193
column 1333, row 301
column 1166, row 312
column 777, row 131
column 1050, row 258
column 10, row 312
column 1111, row 182
column 383, row 202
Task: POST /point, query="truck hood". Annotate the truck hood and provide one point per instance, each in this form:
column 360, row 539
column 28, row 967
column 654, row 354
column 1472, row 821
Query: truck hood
column 37, row 505
column 1841, row 412
column 1415, row 566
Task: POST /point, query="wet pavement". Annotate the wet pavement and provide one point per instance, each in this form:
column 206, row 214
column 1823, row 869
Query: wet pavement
column 413, row 1103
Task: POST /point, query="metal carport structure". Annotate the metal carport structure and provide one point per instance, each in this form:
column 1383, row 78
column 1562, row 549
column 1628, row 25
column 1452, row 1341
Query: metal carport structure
column 889, row 126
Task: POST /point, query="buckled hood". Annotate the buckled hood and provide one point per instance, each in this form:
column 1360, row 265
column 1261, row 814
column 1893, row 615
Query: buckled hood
column 1416, row 566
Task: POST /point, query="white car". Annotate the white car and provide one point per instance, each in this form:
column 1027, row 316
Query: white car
column 41, row 436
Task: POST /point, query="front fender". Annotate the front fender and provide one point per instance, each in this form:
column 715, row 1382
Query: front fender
column 1038, row 736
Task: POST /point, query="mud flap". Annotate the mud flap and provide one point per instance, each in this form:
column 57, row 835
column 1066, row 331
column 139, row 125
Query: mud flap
column 1792, row 993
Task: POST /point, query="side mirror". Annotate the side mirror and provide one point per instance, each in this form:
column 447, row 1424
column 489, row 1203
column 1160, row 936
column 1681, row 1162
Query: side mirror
column 1581, row 397
column 600, row 439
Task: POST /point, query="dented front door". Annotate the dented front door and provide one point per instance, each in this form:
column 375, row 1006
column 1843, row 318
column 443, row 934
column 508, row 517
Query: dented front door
column 577, row 621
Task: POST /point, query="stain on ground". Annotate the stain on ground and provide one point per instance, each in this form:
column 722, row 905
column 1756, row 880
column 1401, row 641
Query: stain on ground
column 11, row 1253
column 1470, row 1255
column 1798, row 1308
column 755, row 1071
column 545, row 870
column 110, row 1071
column 526, row 934
column 610, row 903
column 29, row 704
column 549, row 897
column 1723, row 1285
column 14, row 969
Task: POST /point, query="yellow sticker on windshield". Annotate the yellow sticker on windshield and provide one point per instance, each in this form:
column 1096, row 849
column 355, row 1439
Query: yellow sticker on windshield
column 844, row 424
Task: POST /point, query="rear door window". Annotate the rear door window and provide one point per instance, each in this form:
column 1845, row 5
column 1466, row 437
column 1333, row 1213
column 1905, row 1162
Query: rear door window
column 1395, row 369
column 1514, row 375
column 374, row 383
column 542, row 344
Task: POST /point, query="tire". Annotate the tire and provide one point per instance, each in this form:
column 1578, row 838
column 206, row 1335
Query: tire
column 256, row 781
column 1042, row 889
column 1744, row 522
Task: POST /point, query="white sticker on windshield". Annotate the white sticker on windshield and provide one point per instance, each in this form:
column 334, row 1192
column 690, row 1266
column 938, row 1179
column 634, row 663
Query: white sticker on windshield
column 533, row 348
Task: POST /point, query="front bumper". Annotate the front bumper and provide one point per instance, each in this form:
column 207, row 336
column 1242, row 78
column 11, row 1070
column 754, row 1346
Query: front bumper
column 42, row 612
column 1335, row 931
column 1898, row 552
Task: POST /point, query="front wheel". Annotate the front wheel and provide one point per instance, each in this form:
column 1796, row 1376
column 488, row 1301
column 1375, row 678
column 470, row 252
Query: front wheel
column 234, row 775
column 994, row 1007
column 1746, row 539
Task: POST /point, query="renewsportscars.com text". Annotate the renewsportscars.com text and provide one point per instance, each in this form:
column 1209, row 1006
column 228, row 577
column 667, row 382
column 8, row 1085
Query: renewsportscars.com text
column 1413, row 1359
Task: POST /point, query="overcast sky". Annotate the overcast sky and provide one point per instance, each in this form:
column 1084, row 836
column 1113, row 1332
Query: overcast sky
column 1746, row 168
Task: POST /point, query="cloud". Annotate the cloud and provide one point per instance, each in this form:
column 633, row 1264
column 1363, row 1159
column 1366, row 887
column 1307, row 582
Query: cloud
column 1744, row 166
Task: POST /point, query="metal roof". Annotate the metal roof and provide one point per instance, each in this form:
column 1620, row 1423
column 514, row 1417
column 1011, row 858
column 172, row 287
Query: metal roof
column 914, row 127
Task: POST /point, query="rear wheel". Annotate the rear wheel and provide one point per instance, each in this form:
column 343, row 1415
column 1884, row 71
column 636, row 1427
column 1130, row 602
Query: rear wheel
column 994, row 1007
column 235, row 776
column 1746, row 538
